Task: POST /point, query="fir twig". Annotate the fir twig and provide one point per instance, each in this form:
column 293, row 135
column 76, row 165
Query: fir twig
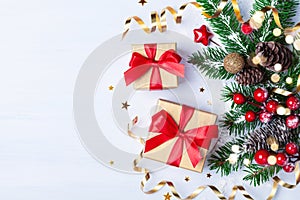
column 219, row 160
column 210, row 62
column 260, row 174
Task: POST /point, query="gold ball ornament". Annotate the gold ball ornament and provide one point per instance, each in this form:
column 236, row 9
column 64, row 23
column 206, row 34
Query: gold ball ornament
column 233, row 63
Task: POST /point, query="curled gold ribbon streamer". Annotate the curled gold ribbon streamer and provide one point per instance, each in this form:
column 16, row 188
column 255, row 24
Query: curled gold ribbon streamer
column 160, row 22
column 278, row 181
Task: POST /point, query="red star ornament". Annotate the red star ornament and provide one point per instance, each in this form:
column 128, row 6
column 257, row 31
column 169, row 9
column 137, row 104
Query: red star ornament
column 202, row 35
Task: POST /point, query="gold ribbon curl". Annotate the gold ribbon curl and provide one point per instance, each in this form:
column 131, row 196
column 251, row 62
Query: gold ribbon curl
column 160, row 22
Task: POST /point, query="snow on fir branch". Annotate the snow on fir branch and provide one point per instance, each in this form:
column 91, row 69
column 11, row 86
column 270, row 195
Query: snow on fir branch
column 250, row 135
column 210, row 62
column 220, row 161
column 227, row 28
column 236, row 124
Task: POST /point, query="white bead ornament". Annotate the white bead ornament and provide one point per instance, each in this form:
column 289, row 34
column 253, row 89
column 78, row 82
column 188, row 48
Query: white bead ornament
column 281, row 110
column 278, row 67
column 289, row 39
column 289, row 80
column 277, row 32
column 259, row 16
column 272, row 160
column 297, row 44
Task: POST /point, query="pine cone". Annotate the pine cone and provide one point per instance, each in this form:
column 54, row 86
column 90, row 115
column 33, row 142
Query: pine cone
column 277, row 128
column 272, row 53
column 249, row 76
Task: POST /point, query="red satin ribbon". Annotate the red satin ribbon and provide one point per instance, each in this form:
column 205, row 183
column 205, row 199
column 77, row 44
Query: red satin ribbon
column 162, row 122
column 140, row 64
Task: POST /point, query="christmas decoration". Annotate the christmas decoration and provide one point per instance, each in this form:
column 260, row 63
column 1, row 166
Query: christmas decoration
column 239, row 98
column 154, row 67
column 246, row 28
column 276, row 129
column 233, row 63
column 249, row 76
column 171, row 123
column 250, row 116
column 272, row 53
column 202, row 35
column 292, row 121
column 272, row 106
column 142, row 2
column 260, row 95
column 261, row 157
column 281, row 159
column 290, row 167
column 125, row 105
column 265, row 117
column 293, row 103
column 291, row 148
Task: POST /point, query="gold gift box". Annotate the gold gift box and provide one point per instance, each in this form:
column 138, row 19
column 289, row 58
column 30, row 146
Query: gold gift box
column 162, row 152
column 168, row 80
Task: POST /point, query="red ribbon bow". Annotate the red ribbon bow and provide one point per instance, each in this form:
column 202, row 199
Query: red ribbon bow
column 140, row 64
column 162, row 122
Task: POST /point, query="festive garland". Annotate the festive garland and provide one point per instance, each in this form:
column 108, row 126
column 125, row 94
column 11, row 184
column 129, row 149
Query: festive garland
column 242, row 95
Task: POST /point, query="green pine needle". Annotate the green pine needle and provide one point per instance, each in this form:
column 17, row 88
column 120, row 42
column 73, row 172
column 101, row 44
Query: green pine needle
column 258, row 174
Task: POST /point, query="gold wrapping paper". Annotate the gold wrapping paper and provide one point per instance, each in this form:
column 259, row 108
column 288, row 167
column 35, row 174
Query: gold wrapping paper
column 162, row 152
column 168, row 80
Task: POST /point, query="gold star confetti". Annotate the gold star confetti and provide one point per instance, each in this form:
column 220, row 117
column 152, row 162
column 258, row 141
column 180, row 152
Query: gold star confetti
column 209, row 103
column 167, row 196
column 208, row 175
column 143, row 2
column 111, row 87
column 125, row 105
column 202, row 89
column 111, row 162
column 187, row 179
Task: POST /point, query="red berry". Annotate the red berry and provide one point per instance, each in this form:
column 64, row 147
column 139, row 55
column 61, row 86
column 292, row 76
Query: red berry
column 239, row 98
column 290, row 167
column 291, row 148
column 265, row 117
column 250, row 116
column 281, row 159
column 260, row 95
column 293, row 103
column 292, row 121
column 272, row 106
column 261, row 157
column 246, row 28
